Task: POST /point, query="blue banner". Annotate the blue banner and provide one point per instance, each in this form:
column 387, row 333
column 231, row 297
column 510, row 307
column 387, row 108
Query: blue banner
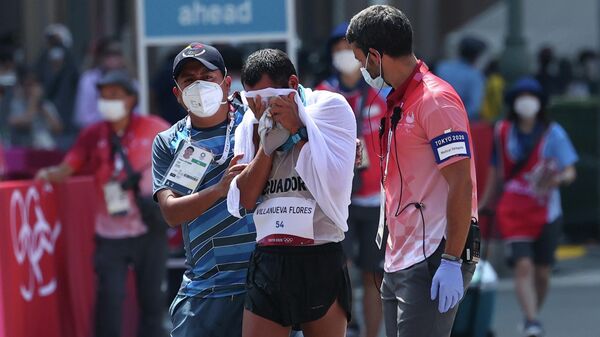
column 169, row 18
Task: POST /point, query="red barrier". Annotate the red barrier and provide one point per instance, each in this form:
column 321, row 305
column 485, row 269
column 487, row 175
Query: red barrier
column 483, row 137
column 23, row 163
column 46, row 258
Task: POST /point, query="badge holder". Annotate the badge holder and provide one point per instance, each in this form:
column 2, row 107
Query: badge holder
column 117, row 199
column 186, row 172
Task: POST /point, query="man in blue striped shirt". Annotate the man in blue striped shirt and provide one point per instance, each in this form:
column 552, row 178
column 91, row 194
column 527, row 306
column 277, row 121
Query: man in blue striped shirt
column 191, row 189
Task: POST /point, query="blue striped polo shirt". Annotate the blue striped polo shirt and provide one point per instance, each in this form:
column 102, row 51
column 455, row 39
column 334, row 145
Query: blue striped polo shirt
column 217, row 245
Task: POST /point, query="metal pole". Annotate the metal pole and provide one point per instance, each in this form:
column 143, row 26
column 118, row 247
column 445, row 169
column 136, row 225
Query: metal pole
column 142, row 58
column 292, row 37
column 515, row 61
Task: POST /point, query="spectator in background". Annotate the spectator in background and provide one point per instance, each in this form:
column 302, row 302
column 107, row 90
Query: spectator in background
column 33, row 120
column 26, row 118
column 588, row 73
column 8, row 82
column 532, row 158
column 105, row 150
column 463, row 75
column 363, row 217
column 565, row 75
column 161, row 89
column 58, row 73
column 491, row 109
column 547, row 71
column 109, row 57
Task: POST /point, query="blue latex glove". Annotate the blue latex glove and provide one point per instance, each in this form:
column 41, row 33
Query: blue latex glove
column 448, row 284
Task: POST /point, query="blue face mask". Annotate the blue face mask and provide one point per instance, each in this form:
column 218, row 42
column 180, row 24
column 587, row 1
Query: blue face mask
column 377, row 82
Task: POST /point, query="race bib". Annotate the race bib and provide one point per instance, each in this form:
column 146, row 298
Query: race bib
column 285, row 221
column 450, row 144
column 188, row 169
column 117, row 200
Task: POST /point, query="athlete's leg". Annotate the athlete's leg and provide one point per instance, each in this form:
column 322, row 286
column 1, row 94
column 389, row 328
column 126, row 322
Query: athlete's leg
column 333, row 324
column 257, row 326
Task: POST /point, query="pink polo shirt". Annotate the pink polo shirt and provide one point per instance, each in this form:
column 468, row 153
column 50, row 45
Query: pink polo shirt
column 433, row 132
column 91, row 154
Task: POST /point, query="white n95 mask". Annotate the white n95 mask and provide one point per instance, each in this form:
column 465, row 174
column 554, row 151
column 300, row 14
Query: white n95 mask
column 344, row 61
column 203, row 98
column 112, row 110
column 527, row 107
column 377, row 82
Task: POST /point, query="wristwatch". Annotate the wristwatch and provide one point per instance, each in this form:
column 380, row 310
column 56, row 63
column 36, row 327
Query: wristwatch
column 301, row 134
column 451, row 258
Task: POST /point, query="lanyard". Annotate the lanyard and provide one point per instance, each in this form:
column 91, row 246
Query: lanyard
column 388, row 149
column 392, row 121
column 226, row 147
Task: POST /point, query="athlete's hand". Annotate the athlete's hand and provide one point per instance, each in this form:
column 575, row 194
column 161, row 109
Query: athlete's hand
column 285, row 112
column 231, row 172
column 257, row 106
column 447, row 284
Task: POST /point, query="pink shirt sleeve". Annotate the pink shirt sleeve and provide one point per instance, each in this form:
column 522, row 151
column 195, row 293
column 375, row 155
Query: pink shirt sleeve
column 446, row 126
column 80, row 151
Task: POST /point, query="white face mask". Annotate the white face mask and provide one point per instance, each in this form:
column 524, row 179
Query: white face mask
column 56, row 54
column 377, row 82
column 112, row 110
column 8, row 79
column 203, row 98
column 344, row 62
column 527, row 107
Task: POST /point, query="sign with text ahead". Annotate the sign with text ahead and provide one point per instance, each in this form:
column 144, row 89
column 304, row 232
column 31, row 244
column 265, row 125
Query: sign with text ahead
column 179, row 22
column 187, row 19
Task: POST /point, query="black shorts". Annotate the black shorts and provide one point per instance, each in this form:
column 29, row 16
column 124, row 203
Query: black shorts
column 359, row 243
column 541, row 251
column 295, row 285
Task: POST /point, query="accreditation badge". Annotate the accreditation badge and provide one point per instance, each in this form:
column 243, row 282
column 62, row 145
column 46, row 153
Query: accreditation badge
column 117, row 199
column 188, row 169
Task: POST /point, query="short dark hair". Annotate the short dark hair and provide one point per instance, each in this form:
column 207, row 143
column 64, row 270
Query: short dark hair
column 190, row 147
column 272, row 62
column 470, row 48
column 383, row 28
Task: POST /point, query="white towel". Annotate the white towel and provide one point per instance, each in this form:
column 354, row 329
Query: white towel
column 325, row 163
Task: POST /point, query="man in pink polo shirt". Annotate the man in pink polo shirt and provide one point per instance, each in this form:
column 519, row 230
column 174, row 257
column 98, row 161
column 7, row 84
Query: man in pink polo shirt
column 428, row 179
column 123, row 240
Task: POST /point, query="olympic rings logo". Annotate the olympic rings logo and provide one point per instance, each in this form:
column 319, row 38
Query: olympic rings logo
column 31, row 239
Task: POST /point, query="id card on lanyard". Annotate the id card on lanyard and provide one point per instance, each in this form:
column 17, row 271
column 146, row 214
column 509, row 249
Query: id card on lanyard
column 191, row 163
column 116, row 198
column 414, row 82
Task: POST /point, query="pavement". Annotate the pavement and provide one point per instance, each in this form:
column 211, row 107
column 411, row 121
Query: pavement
column 572, row 308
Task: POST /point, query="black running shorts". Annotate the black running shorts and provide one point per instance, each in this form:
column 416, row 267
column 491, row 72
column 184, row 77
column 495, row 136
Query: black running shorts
column 295, row 285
